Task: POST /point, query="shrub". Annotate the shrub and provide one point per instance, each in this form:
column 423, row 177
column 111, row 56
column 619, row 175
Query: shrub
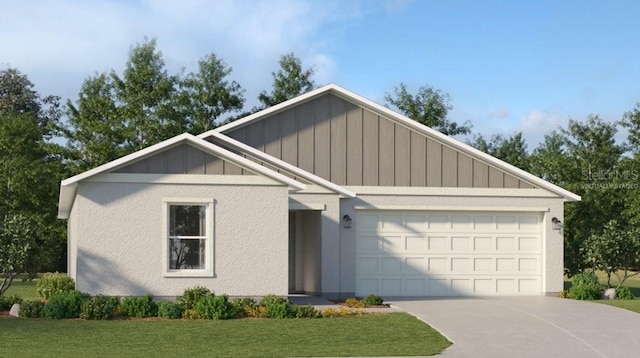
column 52, row 283
column 306, row 311
column 63, row 305
column 372, row 300
column 277, row 307
column 99, row 307
column 624, row 293
column 564, row 294
column 354, row 303
column 341, row 312
column 243, row 307
column 169, row 310
column 7, row 301
column 190, row 314
column 214, row 307
column 585, row 286
column 31, row 309
column 192, row 295
column 139, row 306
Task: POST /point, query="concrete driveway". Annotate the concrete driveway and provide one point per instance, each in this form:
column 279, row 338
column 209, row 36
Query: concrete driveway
column 529, row 327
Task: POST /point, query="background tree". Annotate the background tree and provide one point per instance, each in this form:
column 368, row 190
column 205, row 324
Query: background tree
column 583, row 158
column 290, row 81
column 116, row 115
column 615, row 251
column 207, row 95
column 429, row 107
column 31, row 169
column 512, row 150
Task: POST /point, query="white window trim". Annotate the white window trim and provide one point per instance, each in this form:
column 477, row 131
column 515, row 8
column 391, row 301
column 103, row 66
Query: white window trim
column 209, row 227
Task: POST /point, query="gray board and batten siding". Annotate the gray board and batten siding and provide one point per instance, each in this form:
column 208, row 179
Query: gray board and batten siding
column 351, row 145
column 184, row 159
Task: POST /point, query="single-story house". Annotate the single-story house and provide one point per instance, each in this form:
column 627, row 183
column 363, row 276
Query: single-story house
column 328, row 194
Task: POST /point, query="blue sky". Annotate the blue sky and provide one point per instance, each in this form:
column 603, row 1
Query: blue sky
column 508, row 65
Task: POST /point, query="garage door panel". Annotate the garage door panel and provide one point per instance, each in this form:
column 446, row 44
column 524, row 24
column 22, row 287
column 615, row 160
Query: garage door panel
column 448, row 254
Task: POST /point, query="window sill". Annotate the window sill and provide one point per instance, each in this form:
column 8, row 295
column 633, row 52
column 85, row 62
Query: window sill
column 189, row 273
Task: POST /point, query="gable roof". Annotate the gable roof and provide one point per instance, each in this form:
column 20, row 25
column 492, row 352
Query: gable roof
column 68, row 186
column 292, row 169
column 400, row 119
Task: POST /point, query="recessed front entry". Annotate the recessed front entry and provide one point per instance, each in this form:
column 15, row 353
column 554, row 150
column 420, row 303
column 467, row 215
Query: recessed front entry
column 425, row 253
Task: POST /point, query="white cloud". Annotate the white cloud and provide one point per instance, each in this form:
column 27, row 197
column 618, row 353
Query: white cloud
column 500, row 113
column 396, row 6
column 59, row 44
column 537, row 123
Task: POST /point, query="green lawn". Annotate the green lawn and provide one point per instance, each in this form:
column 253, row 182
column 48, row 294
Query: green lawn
column 26, row 289
column 396, row 334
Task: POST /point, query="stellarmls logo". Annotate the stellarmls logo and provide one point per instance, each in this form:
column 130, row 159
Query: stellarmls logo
column 610, row 179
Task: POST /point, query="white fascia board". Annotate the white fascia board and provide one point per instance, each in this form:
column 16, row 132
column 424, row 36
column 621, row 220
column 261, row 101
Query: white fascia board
column 455, row 144
column 407, row 122
column 265, row 112
column 68, row 186
column 262, row 156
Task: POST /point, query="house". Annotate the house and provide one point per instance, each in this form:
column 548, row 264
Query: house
column 329, row 194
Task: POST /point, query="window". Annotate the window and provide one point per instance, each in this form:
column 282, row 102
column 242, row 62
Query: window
column 189, row 238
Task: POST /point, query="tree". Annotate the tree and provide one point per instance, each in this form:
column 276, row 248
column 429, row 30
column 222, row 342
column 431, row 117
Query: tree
column 31, row 168
column 290, row 81
column 206, row 94
column 15, row 243
column 118, row 114
column 583, row 158
column 512, row 150
column 429, row 107
column 615, row 251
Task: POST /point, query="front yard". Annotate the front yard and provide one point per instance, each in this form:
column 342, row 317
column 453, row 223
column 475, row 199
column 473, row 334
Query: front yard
column 633, row 283
column 394, row 334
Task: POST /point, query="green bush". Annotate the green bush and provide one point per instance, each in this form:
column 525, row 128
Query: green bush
column 624, row 293
column 99, row 307
column 584, row 278
column 372, row 300
column 214, row 307
column 169, row 310
column 277, row 307
column 242, row 307
column 7, row 301
column 585, row 286
column 31, row 309
column 306, row 311
column 63, row 305
column 139, row 306
column 52, row 283
column 192, row 295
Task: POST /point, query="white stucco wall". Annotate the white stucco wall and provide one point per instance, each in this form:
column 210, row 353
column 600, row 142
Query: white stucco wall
column 118, row 234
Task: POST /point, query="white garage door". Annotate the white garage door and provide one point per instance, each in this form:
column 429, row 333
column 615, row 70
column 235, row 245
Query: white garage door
column 448, row 253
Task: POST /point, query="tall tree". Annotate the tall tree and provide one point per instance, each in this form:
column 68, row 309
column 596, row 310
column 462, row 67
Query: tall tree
column 289, row 81
column 207, row 94
column 512, row 150
column 30, row 168
column 583, row 158
column 117, row 114
column 429, row 107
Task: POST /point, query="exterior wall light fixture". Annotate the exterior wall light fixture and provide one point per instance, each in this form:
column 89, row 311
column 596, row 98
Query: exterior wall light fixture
column 557, row 224
column 347, row 221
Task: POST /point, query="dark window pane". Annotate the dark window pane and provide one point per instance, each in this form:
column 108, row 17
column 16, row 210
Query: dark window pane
column 187, row 254
column 187, row 220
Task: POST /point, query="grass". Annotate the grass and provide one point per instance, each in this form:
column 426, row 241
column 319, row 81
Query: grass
column 395, row 334
column 24, row 289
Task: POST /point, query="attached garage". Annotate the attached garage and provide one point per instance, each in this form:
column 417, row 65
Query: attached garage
column 449, row 253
